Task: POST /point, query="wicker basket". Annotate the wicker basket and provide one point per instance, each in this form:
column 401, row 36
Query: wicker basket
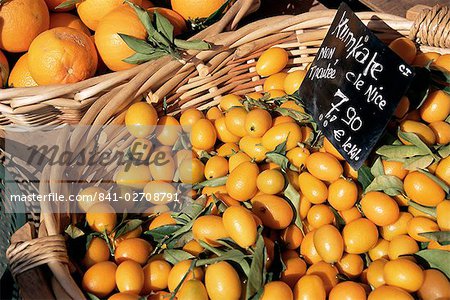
column 200, row 82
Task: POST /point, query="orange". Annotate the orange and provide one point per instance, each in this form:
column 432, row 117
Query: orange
column 213, row 113
column 203, row 135
column 297, row 156
column 319, row 215
column 156, row 276
column 423, row 190
column 403, row 273
column 277, row 289
column 405, row 48
column 348, row 290
column 286, row 132
column 328, row 146
column 359, row 236
column 161, row 295
column 101, row 217
column 92, row 11
column 255, row 95
column 380, row 250
column 350, row 215
column 135, row 249
column 216, row 166
column 141, row 119
column 436, row 107
column 253, row 148
column 189, row 117
column 423, row 59
column 443, row 62
column 133, row 176
column 295, row 269
column 305, row 206
column 402, row 108
column 292, row 237
column 229, row 101
column 272, row 61
column 222, row 281
column 292, row 105
column 129, row 277
column 140, row 149
column 443, row 170
column 394, row 168
column 68, row 20
column 129, row 235
column 192, row 289
column 275, row 82
column 223, row 133
column 310, row 287
column 399, row 227
column 327, row 272
column 227, row 149
column 4, row 69
column 159, row 192
column 52, row 4
column 421, row 130
column 163, row 219
column 177, row 21
column 209, row 229
column 146, row 4
column 257, row 122
column 324, row 166
column 328, row 243
column 402, row 245
column 443, row 215
column 420, row 225
column 241, row 183
column 441, row 130
column 293, row 81
column 96, row 252
column 22, row 22
column 235, row 121
column 312, row 188
column 196, row 8
column 342, row 194
column 162, row 166
column 112, row 49
column 20, row 74
column 308, row 250
column 380, row 208
column 236, row 159
column 62, row 55
column 193, row 247
column 270, row 182
column 168, row 130
column 375, row 273
column 100, row 279
column 276, row 94
column 274, row 211
column 389, row 292
column 434, row 286
column 240, row 225
column 124, row 296
column 351, row 265
column 178, row 272
column 350, row 172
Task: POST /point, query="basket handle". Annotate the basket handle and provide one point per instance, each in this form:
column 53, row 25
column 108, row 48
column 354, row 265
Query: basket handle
column 431, row 25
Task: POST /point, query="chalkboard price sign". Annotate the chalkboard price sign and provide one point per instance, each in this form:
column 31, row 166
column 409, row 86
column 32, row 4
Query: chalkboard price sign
column 354, row 86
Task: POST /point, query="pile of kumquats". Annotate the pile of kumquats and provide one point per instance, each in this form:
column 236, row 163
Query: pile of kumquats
column 66, row 41
column 274, row 211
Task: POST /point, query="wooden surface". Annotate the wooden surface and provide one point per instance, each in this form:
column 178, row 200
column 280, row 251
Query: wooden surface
column 400, row 7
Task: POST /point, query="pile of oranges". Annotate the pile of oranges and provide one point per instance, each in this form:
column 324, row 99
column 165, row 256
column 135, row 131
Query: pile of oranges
column 276, row 211
column 60, row 46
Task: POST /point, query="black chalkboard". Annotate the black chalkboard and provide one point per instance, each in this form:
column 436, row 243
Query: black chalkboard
column 354, row 86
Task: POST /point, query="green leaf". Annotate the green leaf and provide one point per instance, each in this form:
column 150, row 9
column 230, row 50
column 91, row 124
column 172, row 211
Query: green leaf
column 280, row 160
column 365, row 177
column 444, row 151
column 202, row 23
column 138, row 45
column 73, row 231
column 67, row 4
column 442, row 237
column 431, row 211
column 340, row 222
column 211, row 183
column 441, row 183
column 377, row 168
column 92, row 296
column 296, row 115
column 281, row 148
column 418, row 162
column 192, row 45
column 438, row 259
column 232, row 255
column 415, row 140
column 389, row 184
column 175, row 256
column 294, row 199
column 399, row 152
column 139, row 58
column 128, row 226
column 257, row 274
column 164, row 26
column 181, row 240
column 159, row 233
column 144, row 17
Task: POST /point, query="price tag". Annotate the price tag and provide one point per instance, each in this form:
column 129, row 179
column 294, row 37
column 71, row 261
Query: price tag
column 354, row 86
